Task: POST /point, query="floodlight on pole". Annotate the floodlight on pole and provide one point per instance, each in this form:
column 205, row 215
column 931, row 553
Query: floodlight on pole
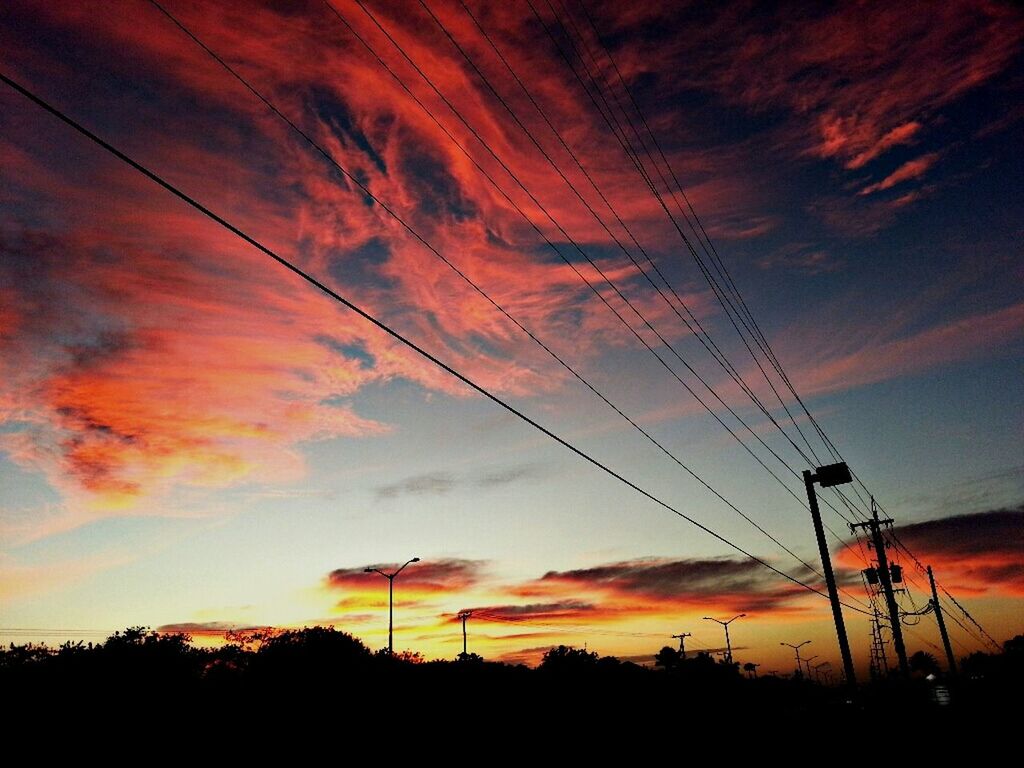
column 827, row 477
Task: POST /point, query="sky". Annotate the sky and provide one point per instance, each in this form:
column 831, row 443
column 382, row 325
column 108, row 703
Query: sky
column 192, row 438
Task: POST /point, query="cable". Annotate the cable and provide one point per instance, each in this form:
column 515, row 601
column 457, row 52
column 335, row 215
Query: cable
column 700, row 333
column 616, row 130
column 711, row 281
column 366, row 191
column 207, row 212
column 548, row 215
column 714, row 257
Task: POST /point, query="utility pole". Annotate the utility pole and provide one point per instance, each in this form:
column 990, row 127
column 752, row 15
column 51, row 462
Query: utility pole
column 879, row 662
column 464, row 615
column 942, row 625
column 828, row 476
column 728, row 644
column 682, row 639
column 875, row 525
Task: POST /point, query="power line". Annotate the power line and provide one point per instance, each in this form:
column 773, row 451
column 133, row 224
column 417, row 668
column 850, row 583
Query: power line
column 616, row 130
column 207, row 212
column 412, row 231
column 549, row 216
column 723, row 297
column 716, row 260
column 700, row 333
column 724, row 301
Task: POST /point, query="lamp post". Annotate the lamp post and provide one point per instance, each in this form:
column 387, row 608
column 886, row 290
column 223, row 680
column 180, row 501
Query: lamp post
column 391, row 600
column 825, row 665
column 807, row 664
column 728, row 645
column 799, row 669
column 827, row 477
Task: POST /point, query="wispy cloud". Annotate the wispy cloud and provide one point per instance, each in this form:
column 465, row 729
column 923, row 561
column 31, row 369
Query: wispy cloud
column 912, row 169
column 440, row 483
column 429, row 484
column 802, row 258
column 653, row 585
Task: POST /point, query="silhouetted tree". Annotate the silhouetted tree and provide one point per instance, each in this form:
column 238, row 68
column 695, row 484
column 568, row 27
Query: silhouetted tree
column 667, row 658
column 1014, row 646
column 924, row 663
column 298, row 656
column 568, row 659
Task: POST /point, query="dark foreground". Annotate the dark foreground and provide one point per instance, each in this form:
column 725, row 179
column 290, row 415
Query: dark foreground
column 322, row 676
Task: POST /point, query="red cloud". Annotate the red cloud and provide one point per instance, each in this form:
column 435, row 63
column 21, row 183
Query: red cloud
column 166, row 353
column 855, row 81
column 145, row 351
column 901, row 134
column 911, row 169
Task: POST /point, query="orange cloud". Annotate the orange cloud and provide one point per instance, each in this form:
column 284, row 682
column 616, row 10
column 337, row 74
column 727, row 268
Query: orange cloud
column 976, row 553
column 420, row 584
column 630, row 590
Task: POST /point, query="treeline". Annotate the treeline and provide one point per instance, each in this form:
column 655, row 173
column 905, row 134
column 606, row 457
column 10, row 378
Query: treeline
column 322, row 664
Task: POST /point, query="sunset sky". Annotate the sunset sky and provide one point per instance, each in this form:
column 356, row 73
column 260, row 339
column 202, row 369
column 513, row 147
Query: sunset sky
column 193, row 438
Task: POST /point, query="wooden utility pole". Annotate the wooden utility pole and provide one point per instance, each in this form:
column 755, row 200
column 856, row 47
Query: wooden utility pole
column 875, row 525
column 464, row 615
column 942, row 625
column 682, row 638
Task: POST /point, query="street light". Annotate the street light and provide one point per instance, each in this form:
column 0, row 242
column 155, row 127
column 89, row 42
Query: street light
column 391, row 599
column 827, row 477
column 799, row 669
column 826, row 665
column 807, row 663
column 728, row 645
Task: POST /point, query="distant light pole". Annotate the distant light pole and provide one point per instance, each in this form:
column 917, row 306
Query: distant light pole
column 807, row 663
column 799, row 669
column 464, row 615
column 825, row 665
column 391, row 600
column 728, row 644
